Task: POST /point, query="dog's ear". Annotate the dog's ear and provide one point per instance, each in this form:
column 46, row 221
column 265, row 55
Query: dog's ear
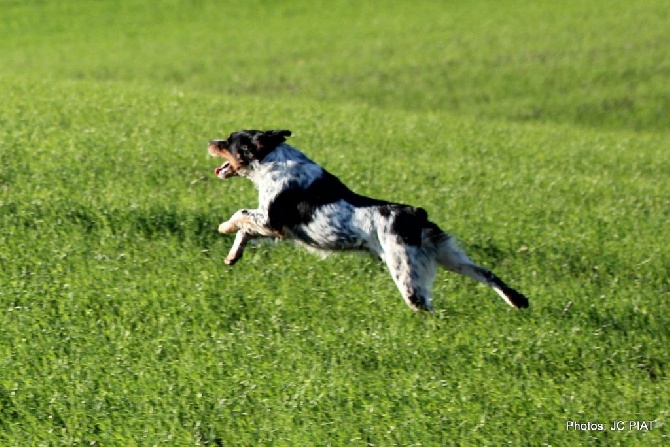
column 270, row 139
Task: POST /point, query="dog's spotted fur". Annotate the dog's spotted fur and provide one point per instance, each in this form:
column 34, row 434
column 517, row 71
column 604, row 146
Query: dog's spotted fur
column 300, row 201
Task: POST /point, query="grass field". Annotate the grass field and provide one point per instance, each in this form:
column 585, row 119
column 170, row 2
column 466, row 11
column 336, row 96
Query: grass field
column 538, row 134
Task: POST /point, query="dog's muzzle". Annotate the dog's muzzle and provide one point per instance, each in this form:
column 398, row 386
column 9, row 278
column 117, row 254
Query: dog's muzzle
column 225, row 171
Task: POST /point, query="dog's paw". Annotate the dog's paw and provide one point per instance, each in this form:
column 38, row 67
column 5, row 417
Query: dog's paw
column 236, row 222
column 227, row 227
column 232, row 259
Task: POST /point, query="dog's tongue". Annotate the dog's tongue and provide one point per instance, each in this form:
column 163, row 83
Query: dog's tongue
column 221, row 168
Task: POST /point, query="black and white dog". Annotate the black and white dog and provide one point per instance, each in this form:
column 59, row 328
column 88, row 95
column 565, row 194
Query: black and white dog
column 300, row 201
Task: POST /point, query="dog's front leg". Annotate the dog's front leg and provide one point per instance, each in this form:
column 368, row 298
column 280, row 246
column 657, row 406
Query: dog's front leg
column 235, row 222
column 252, row 221
column 235, row 253
column 247, row 224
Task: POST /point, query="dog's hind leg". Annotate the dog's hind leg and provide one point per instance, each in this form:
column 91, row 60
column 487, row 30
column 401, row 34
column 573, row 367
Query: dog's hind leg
column 413, row 272
column 454, row 259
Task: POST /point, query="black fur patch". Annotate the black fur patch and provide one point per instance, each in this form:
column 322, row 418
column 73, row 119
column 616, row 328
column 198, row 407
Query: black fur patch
column 419, row 301
column 296, row 205
column 247, row 145
column 408, row 222
column 434, row 233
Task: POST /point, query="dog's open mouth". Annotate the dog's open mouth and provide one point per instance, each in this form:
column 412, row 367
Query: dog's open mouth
column 224, row 171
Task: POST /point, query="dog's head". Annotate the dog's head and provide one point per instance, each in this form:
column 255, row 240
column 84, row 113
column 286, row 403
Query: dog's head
column 243, row 147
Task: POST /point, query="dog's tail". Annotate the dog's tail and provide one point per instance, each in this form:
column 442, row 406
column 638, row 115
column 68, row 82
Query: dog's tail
column 452, row 258
column 512, row 296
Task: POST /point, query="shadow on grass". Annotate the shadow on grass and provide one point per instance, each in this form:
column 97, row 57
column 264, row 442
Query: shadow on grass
column 155, row 222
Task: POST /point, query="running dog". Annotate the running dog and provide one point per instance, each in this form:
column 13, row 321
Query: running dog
column 298, row 200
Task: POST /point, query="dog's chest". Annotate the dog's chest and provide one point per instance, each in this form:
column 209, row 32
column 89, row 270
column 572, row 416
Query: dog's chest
column 279, row 178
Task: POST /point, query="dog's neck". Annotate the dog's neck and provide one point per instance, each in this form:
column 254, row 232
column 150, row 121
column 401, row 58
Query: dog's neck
column 285, row 153
column 284, row 167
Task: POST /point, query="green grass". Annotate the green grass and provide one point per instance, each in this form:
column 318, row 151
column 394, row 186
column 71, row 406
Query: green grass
column 588, row 63
column 120, row 324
